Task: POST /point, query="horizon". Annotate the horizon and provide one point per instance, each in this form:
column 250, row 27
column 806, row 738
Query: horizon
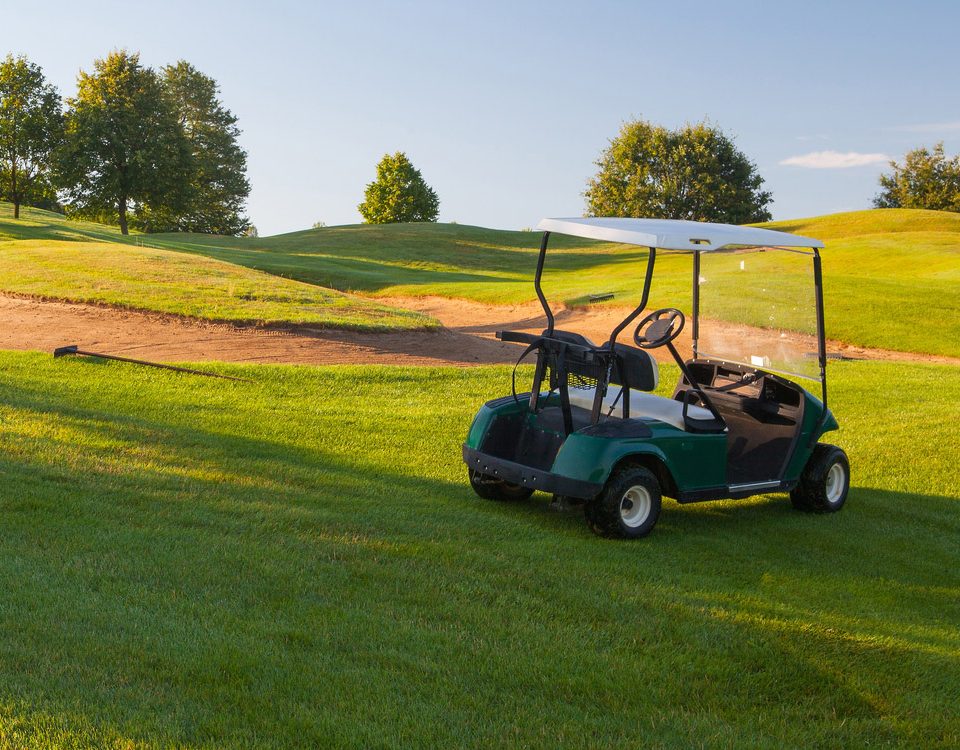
column 471, row 119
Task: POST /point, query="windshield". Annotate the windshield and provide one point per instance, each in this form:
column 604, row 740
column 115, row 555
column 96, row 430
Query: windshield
column 758, row 308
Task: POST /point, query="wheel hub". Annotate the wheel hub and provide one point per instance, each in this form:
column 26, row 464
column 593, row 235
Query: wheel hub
column 635, row 506
column 836, row 478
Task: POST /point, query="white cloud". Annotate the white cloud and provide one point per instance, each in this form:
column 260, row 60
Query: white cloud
column 930, row 127
column 834, row 160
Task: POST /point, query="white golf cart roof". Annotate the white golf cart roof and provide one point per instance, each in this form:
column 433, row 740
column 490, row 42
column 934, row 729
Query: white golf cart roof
column 671, row 234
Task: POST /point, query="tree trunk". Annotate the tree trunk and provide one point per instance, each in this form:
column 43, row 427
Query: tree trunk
column 15, row 193
column 122, row 212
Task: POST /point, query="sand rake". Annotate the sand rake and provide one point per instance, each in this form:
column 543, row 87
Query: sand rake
column 74, row 350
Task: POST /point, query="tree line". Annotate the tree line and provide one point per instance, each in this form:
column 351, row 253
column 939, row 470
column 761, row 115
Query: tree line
column 155, row 150
column 694, row 172
column 158, row 151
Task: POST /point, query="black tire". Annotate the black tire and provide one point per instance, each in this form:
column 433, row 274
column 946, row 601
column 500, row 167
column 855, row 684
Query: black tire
column 825, row 481
column 628, row 507
column 496, row 489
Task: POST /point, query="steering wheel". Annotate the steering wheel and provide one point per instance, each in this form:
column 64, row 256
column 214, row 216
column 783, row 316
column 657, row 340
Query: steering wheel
column 662, row 327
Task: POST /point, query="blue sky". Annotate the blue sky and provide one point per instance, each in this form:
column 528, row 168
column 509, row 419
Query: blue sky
column 504, row 106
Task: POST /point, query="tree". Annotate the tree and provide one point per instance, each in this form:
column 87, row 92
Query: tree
column 695, row 172
column 124, row 146
column 217, row 186
column 31, row 127
column 398, row 194
column 927, row 179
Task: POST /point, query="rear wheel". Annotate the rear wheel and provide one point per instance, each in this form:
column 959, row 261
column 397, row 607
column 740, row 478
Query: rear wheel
column 628, row 507
column 825, row 481
column 490, row 488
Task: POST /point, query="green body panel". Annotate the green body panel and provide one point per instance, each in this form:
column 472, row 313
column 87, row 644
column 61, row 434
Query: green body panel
column 695, row 461
column 481, row 422
column 810, row 432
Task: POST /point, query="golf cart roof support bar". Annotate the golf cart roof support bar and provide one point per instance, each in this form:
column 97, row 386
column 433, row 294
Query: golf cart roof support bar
column 696, row 301
column 536, row 282
column 821, row 330
column 651, row 259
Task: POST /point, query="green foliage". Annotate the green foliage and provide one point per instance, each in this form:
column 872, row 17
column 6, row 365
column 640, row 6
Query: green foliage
column 124, row 144
column 196, row 563
column 926, row 179
column 212, row 201
column 31, row 127
column 695, row 173
column 399, row 194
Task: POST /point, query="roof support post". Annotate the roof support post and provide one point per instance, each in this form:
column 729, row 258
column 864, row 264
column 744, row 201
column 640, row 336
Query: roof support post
column 821, row 330
column 651, row 259
column 536, row 282
column 696, row 302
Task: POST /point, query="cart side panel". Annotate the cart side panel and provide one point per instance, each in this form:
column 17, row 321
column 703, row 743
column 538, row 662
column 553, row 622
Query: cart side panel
column 695, row 461
column 815, row 423
column 489, row 412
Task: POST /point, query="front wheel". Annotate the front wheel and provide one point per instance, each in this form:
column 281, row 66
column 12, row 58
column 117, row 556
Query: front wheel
column 628, row 507
column 490, row 488
column 825, row 481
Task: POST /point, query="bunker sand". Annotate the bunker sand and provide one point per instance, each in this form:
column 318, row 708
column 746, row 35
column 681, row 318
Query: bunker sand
column 466, row 338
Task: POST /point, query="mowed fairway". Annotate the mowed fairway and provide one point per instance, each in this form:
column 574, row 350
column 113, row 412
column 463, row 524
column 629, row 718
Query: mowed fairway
column 299, row 562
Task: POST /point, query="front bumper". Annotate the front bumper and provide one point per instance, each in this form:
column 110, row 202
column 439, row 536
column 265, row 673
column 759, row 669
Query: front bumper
column 525, row 476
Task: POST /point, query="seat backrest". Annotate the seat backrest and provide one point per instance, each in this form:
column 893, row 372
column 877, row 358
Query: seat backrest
column 635, row 369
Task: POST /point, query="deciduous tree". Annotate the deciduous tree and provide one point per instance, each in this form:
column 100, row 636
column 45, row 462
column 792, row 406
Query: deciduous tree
column 124, row 146
column 31, row 127
column 398, row 194
column 926, row 179
column 695, row 173
column 217, row 187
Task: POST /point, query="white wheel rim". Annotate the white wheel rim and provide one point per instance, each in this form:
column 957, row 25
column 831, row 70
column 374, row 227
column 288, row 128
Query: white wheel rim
column 635, row 506
column 836, row 479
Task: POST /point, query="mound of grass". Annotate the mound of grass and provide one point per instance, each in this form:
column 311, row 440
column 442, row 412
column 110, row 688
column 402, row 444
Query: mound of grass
column 880, row 267
column 874, row 221
column 287, row 563
column 37, row 224
column 166, row 281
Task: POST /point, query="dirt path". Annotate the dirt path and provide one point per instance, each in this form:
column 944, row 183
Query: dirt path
column 466, row 339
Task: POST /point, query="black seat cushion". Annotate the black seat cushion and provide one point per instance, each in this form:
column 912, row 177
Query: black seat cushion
column 634, row 368
column 572, row 338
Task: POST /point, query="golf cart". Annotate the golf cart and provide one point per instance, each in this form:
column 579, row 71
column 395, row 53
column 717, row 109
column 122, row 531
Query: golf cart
column 590, row 431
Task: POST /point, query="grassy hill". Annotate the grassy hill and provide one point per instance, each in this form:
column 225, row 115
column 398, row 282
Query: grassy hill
column 44, row 256
column 880, row 266
column 190, row 563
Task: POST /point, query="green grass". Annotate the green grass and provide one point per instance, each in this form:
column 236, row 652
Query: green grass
column 880, row 268
column 43, row 256
column 299, row 562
